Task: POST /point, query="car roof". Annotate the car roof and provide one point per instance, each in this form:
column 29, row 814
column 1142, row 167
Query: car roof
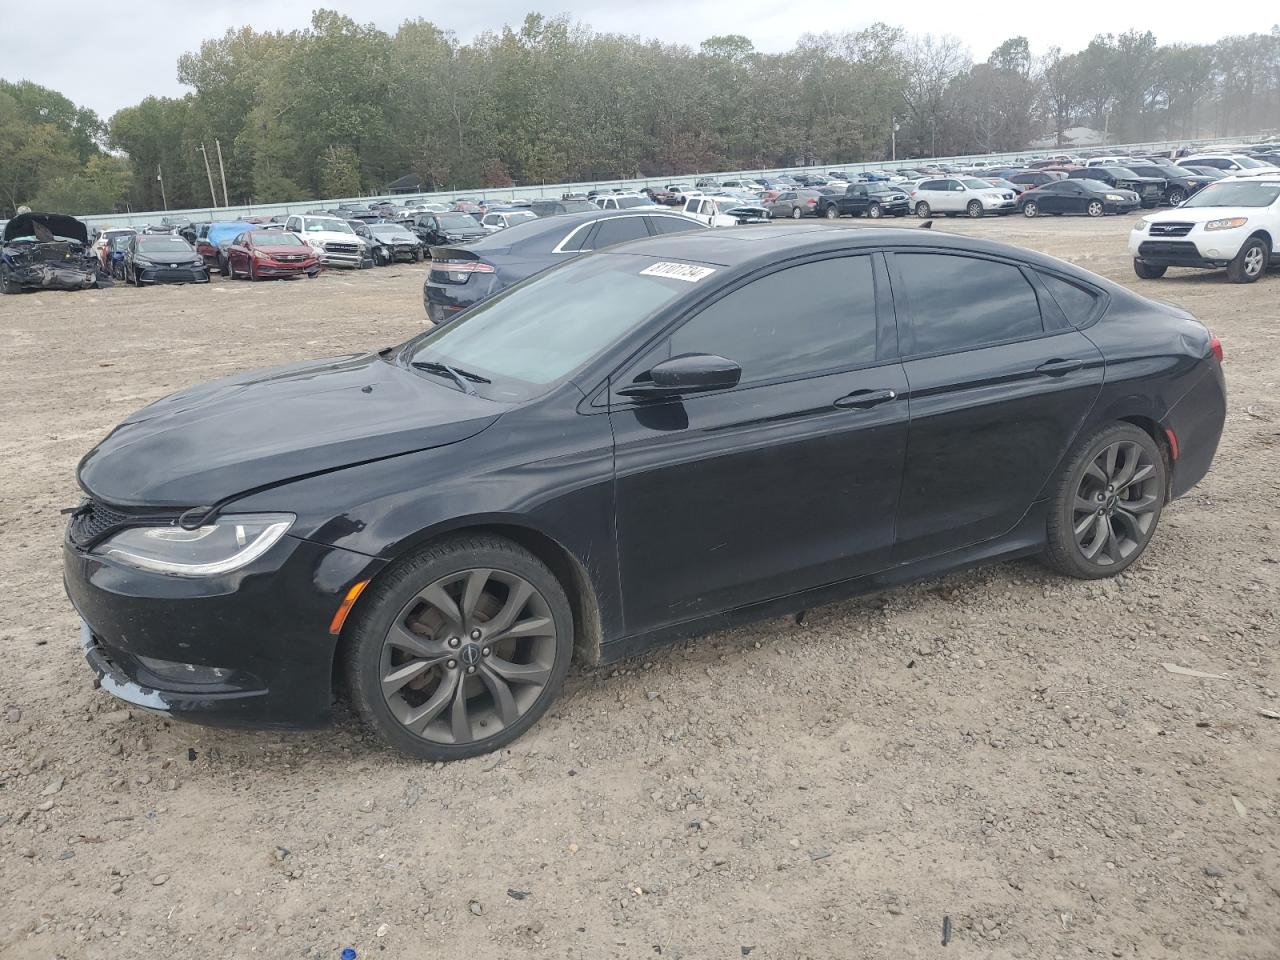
column 752, row 246
column 554, row 228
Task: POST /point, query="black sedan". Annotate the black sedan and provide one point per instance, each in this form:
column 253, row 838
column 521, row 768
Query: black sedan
column 1089, row 197
column 461, row 276
column 162, row 258
column 626, row 450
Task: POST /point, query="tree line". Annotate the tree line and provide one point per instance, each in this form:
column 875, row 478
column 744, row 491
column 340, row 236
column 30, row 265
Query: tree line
column 342, row 108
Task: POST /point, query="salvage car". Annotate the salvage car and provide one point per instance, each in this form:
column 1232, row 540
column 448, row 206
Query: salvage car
column 264, row 254
column 1233, row 223
column 496, row 220
column 623, row 451
column 873, row 200
column 46, row 251
column 332, row 239
column 162, row 258
column 448, row 227
column 1150, row 190
column 213, row 240
column 720, row 211
column 401, row 245
column 464, row 275
column 1088, row 197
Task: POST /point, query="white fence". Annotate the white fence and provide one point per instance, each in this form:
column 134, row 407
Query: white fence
column 556, row 190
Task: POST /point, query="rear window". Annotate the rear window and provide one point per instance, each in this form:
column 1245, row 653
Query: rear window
column 1077, row 303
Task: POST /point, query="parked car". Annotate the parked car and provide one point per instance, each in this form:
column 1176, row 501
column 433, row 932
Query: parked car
column 162, row 258
column 1000, row 183
column 1179, row 182
column 113, row 255
column 462, row 276
column 1233, row 223
column 103, row 240
column 606, row 459
column 375, row 251
column 1226, row 162
column 267, row 254
column 1150, row 190
column 802, row 202
column 872, row 200
column 46, row 251
column 554, row 208
column 401, row 244
column 214, row 240
column 672, row 195
column 496, row 220
column 1088, row 197
column 967, row 195
column 332, row 239
column 725, row 211
column 622, row 201
column 1213, row 173
column 1035, row 178
column 451, row 227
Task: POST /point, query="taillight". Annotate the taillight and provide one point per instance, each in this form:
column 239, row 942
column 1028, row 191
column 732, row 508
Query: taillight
column 1216, row 346
column 459, row 271
column 812, row 203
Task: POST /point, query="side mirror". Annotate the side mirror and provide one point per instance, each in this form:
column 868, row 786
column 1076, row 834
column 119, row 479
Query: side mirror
column 691, row 373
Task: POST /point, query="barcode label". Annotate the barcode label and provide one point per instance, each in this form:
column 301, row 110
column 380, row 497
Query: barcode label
column 688, row 272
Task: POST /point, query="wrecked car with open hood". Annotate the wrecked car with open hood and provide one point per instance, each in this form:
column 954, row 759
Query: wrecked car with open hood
column 46, row 251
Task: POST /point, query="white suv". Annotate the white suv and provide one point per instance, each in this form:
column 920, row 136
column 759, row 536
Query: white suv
column 1233, row 223
column 969, row 195
column 333, row 240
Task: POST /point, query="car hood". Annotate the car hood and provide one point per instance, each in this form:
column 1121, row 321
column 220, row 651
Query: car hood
column 59, row 224
column 259, row 429
column 329, row 236
column 285, row 250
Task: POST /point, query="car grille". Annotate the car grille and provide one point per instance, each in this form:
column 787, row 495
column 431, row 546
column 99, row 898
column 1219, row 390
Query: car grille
column 1170, row 229
column 1169, row 248
column 174, row 274
column 290, row 258
column 93, row 521
column 1151, row 188
column 350, row 248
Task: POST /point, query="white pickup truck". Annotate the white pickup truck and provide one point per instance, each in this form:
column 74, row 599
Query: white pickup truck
column 1233, row 223
column 724, row 211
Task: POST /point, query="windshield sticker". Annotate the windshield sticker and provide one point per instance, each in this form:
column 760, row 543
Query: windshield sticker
column 688, row 272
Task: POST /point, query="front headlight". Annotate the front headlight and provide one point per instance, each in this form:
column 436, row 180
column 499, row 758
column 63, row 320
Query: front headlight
column 1115, row 197
column 227, row 544
column 1142, row 223
column 1228, row 223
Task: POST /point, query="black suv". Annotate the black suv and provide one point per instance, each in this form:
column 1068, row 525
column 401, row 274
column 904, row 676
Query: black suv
column 1150, row 190
column 875, row 200
column 1180, row 182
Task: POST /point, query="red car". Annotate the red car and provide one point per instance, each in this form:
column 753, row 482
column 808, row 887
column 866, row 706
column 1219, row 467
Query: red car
column 259, row 254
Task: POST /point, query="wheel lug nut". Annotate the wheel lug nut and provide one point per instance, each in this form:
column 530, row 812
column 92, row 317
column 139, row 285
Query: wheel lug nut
column 475, row 634
column 452, row 664
column 454, row 641
column 485, row 651
column 471, row 669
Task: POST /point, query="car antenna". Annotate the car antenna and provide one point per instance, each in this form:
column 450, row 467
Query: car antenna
column 927, row 225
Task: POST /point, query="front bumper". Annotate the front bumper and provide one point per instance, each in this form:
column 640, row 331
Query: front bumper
column 52, row 276
column 1196, row 249
column 265, row 628
column 184, row 274
column 1000, row 206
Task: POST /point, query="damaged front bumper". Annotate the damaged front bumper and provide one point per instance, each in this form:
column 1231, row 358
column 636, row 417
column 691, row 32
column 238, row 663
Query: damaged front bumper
column 50, row 276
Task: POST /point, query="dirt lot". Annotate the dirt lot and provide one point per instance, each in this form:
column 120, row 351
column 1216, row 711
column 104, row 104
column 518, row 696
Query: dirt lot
column 1002, row 748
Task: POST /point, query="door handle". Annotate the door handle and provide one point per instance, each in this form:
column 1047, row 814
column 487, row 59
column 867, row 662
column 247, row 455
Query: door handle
column 1056, row 368
column 865, row 399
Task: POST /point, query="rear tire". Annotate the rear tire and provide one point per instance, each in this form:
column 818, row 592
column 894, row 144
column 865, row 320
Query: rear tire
column 796, row 213
column 1107, row 503
column 1095, row 208
column 1149, row 271
column 1177, row 196
column 534, row 660
column 974, row 209
column 874, row 211
column 1250, row 263
column 832, row 212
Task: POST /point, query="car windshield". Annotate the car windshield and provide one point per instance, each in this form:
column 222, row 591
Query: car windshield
column 327, row 226
column 276, row 238
column 164, row 245
column 974, row 184
column 539, row 332
column 457, row 221
column 1236, row 194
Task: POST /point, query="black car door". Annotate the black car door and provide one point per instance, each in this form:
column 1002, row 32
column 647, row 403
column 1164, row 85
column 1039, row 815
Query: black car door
column 1074, row 197
column 999, row 386
column 1049, row 199
column 788, row 480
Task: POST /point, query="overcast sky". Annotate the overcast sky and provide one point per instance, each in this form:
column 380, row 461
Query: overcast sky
column 124, row 52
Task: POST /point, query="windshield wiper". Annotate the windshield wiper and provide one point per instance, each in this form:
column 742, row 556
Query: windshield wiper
column 460, row 377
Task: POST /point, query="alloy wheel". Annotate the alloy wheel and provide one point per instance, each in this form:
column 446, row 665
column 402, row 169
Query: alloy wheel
column 1116, row 503
column 873, row 211
column 1029, row 209
column 1095, row 209
column 468, row 656
column 1254, row 258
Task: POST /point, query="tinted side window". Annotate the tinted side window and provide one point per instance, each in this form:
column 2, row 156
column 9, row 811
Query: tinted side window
column 672, row 224
column 616, row 230
column 931, row 185
column 958, row 303
column 1076, row 302
column 801, row 320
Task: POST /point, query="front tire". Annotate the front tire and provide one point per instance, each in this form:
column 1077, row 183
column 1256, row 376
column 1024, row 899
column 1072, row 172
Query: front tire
column 1107, row 503
column 1149, row 271
column 922, row 210
column 1250, row 263
column 974, row 209
column 459, row 649
column 1030, row 209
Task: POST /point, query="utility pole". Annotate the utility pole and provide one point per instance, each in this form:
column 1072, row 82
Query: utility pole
column 209, row 173
column 160, row 176
column 893, row 138
column 222, row 173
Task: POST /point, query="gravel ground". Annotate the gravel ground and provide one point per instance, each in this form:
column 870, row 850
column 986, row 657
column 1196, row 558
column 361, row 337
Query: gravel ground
column 1002, row 747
